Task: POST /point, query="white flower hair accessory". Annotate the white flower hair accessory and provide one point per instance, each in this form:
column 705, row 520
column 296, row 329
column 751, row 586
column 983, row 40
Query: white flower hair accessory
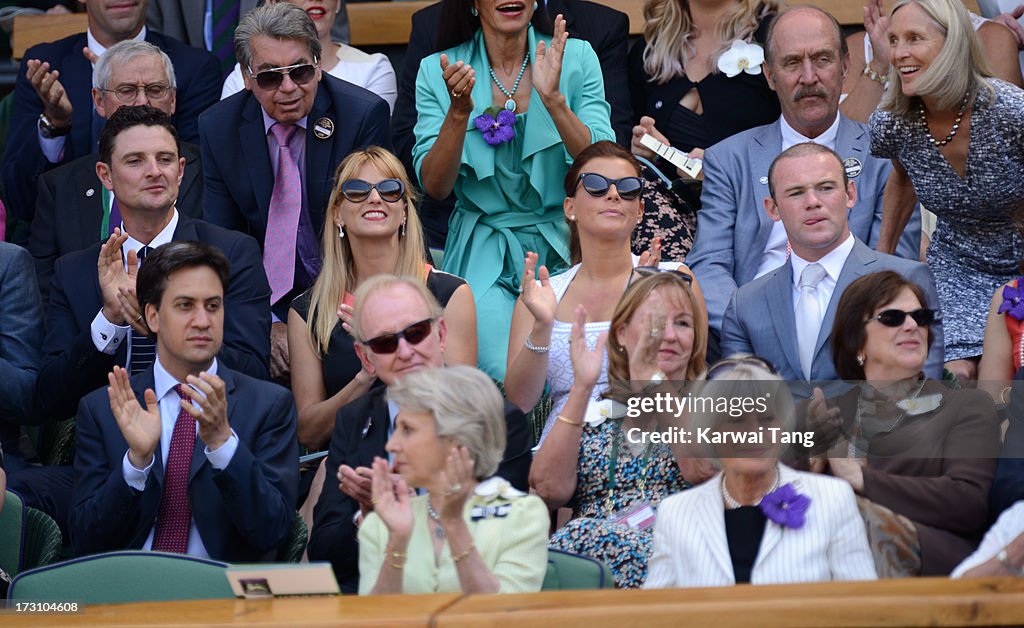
column 920, row 405
column 600, row 411
column 495, row 487
column 741, row 57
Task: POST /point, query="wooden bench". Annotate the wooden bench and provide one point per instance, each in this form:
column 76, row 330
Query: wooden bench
column 378, row 23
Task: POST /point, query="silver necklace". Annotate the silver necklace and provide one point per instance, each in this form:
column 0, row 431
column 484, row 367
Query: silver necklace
column 732, row 504
column 438, row 530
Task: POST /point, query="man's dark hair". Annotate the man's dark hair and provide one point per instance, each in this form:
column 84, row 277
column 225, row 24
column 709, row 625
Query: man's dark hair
column 130, row 116
column 803, row 150
column 844, row 51
column 172, row 257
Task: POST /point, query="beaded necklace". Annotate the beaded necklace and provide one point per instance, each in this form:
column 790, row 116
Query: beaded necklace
column 956, row 124
column 510, row 104
column 732, row 504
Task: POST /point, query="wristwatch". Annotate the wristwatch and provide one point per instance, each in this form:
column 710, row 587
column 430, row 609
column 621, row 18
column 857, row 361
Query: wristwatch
column 49, row 131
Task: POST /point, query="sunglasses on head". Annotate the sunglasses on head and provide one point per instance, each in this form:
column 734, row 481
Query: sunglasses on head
column 357, row 190
column 728, row 364
column 595, row 184
column 414, row 334
column 272, row 78
column 894, row 318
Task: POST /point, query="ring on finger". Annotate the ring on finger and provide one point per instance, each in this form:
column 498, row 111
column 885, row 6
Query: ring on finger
column 457, row 94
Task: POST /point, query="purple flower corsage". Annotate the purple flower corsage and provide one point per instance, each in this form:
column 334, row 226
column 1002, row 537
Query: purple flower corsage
column 786, row 507
column 1013, row 302
column 497, row 126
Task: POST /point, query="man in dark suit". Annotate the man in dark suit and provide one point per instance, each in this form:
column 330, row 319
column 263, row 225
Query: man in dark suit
column 189, row 456
column 786, row 315
column 607, row 31
column 54, row 121
column 73, row 210
column 269, row 152
column 401, row 313
column 93, row 320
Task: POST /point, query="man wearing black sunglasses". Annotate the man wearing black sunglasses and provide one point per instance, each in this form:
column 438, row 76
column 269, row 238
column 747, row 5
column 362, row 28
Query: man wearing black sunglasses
column 399, row 329
column 269, row 152
column 786, row 316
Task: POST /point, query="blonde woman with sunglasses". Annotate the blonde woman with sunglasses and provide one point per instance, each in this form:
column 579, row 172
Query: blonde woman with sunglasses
column 372, row 228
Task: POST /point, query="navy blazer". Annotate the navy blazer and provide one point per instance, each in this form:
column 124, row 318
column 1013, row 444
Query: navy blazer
column 197, row 75
column 72, row 366
column 21, row 335
column 238, row 178
column 244, row 511
column 360, row 434
column 761, row 320
column 733, row 226
column 69, row 209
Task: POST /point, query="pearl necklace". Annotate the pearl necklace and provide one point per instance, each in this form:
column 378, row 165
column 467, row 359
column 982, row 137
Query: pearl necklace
column 732, row 504
column 956, row 124
column 510, row 104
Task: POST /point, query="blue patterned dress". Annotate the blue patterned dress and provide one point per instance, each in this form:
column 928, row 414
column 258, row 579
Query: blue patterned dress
column 624, row 549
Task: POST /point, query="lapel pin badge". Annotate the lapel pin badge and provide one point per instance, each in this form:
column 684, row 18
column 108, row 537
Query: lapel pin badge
column 323, row 128
column 764, row 180
column 852, row 166
column 90, row 192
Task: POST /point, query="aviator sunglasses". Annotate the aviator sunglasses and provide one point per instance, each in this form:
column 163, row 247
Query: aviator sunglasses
column 357, row 190
column 595, row 184
column 272, row 78
column 414, row 334
column 894, row 318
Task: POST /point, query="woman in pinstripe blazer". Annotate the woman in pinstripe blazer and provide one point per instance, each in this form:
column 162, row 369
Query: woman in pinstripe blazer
column 758, row 520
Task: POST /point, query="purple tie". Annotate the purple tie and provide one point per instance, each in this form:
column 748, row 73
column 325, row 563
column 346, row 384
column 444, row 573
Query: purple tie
column 115, row 216
column 175, row 515
column 283, row 218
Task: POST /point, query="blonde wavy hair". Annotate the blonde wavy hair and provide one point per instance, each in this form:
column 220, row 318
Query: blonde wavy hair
column 959, row 68
column 338, row 275
column 669, row 29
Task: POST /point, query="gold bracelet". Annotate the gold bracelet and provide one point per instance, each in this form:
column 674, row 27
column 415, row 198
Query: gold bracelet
column 400, row 565
column 399, row 555
column 569, row 421
column 465, row 553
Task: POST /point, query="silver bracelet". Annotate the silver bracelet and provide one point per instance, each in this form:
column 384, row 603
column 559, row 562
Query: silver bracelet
column 536, row 348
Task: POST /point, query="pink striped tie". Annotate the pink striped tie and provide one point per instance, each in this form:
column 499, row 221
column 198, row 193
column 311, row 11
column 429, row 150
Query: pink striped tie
column 283, row 217
column 174, row 518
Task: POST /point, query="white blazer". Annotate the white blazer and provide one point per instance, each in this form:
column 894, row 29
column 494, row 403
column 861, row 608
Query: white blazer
column 690, row 547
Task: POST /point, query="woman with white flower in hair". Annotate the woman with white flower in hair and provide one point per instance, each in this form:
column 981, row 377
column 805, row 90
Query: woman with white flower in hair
column 468, row 531
column 758, row 521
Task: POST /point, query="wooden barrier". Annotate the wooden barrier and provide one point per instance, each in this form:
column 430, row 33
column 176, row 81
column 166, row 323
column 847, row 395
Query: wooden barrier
column 910, row 602
column 380, row 23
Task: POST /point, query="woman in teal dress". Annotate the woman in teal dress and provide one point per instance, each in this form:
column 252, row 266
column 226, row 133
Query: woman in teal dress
column 547, row 96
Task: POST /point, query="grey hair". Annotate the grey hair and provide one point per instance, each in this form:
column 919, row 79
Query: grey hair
column 743, row 380
column 466, row 406
column 959, row 68
column 124, row 52
column 384, row 281
column 280, row 20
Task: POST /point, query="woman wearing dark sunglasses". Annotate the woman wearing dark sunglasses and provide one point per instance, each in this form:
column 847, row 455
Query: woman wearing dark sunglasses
column 601, row 208
column 544, row 96
column 657, row 331
column 919, row 454
column 372, row 228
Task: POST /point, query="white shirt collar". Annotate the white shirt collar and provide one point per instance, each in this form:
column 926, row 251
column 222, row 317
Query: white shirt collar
column 790, row 136
column 164, row 382
column 832, row 262
column 98, row 49
column 165, row 236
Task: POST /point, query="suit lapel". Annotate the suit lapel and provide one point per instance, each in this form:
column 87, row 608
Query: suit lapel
column 318, row 157
column 89, row 197
column 253, row 138
column 375, row 437
column 780, row 306
column 772, row 531
column 851, row 141
column 856, row 265
column 193, row 170
column 765, row 147
column 76, row 75
column 198, row 453
column 712, row 512
column 140, row 383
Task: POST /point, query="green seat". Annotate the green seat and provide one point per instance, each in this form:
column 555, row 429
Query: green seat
column 121, row 577
column 293, row 548
column 572, row 571
column 29, row 538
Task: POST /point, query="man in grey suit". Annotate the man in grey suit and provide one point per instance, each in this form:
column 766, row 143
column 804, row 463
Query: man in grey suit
column 785, row 317
column 806, row 61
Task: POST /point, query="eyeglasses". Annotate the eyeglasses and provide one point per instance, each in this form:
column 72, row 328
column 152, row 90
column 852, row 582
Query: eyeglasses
column 128, row 93
column 272, row 78
column 414, row 334
column 357, row 190
column 650, row 271
column 894, row 318
column 595, row 184
column 728, row 364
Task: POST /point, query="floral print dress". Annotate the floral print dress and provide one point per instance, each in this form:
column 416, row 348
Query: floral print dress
column 650, row 475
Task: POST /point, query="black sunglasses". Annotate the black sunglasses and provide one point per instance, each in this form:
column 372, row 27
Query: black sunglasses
column 272, row 78
column 728, row 364
column 894, row 318
column 357, row 190
column 595, row 184
column 414, row 334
